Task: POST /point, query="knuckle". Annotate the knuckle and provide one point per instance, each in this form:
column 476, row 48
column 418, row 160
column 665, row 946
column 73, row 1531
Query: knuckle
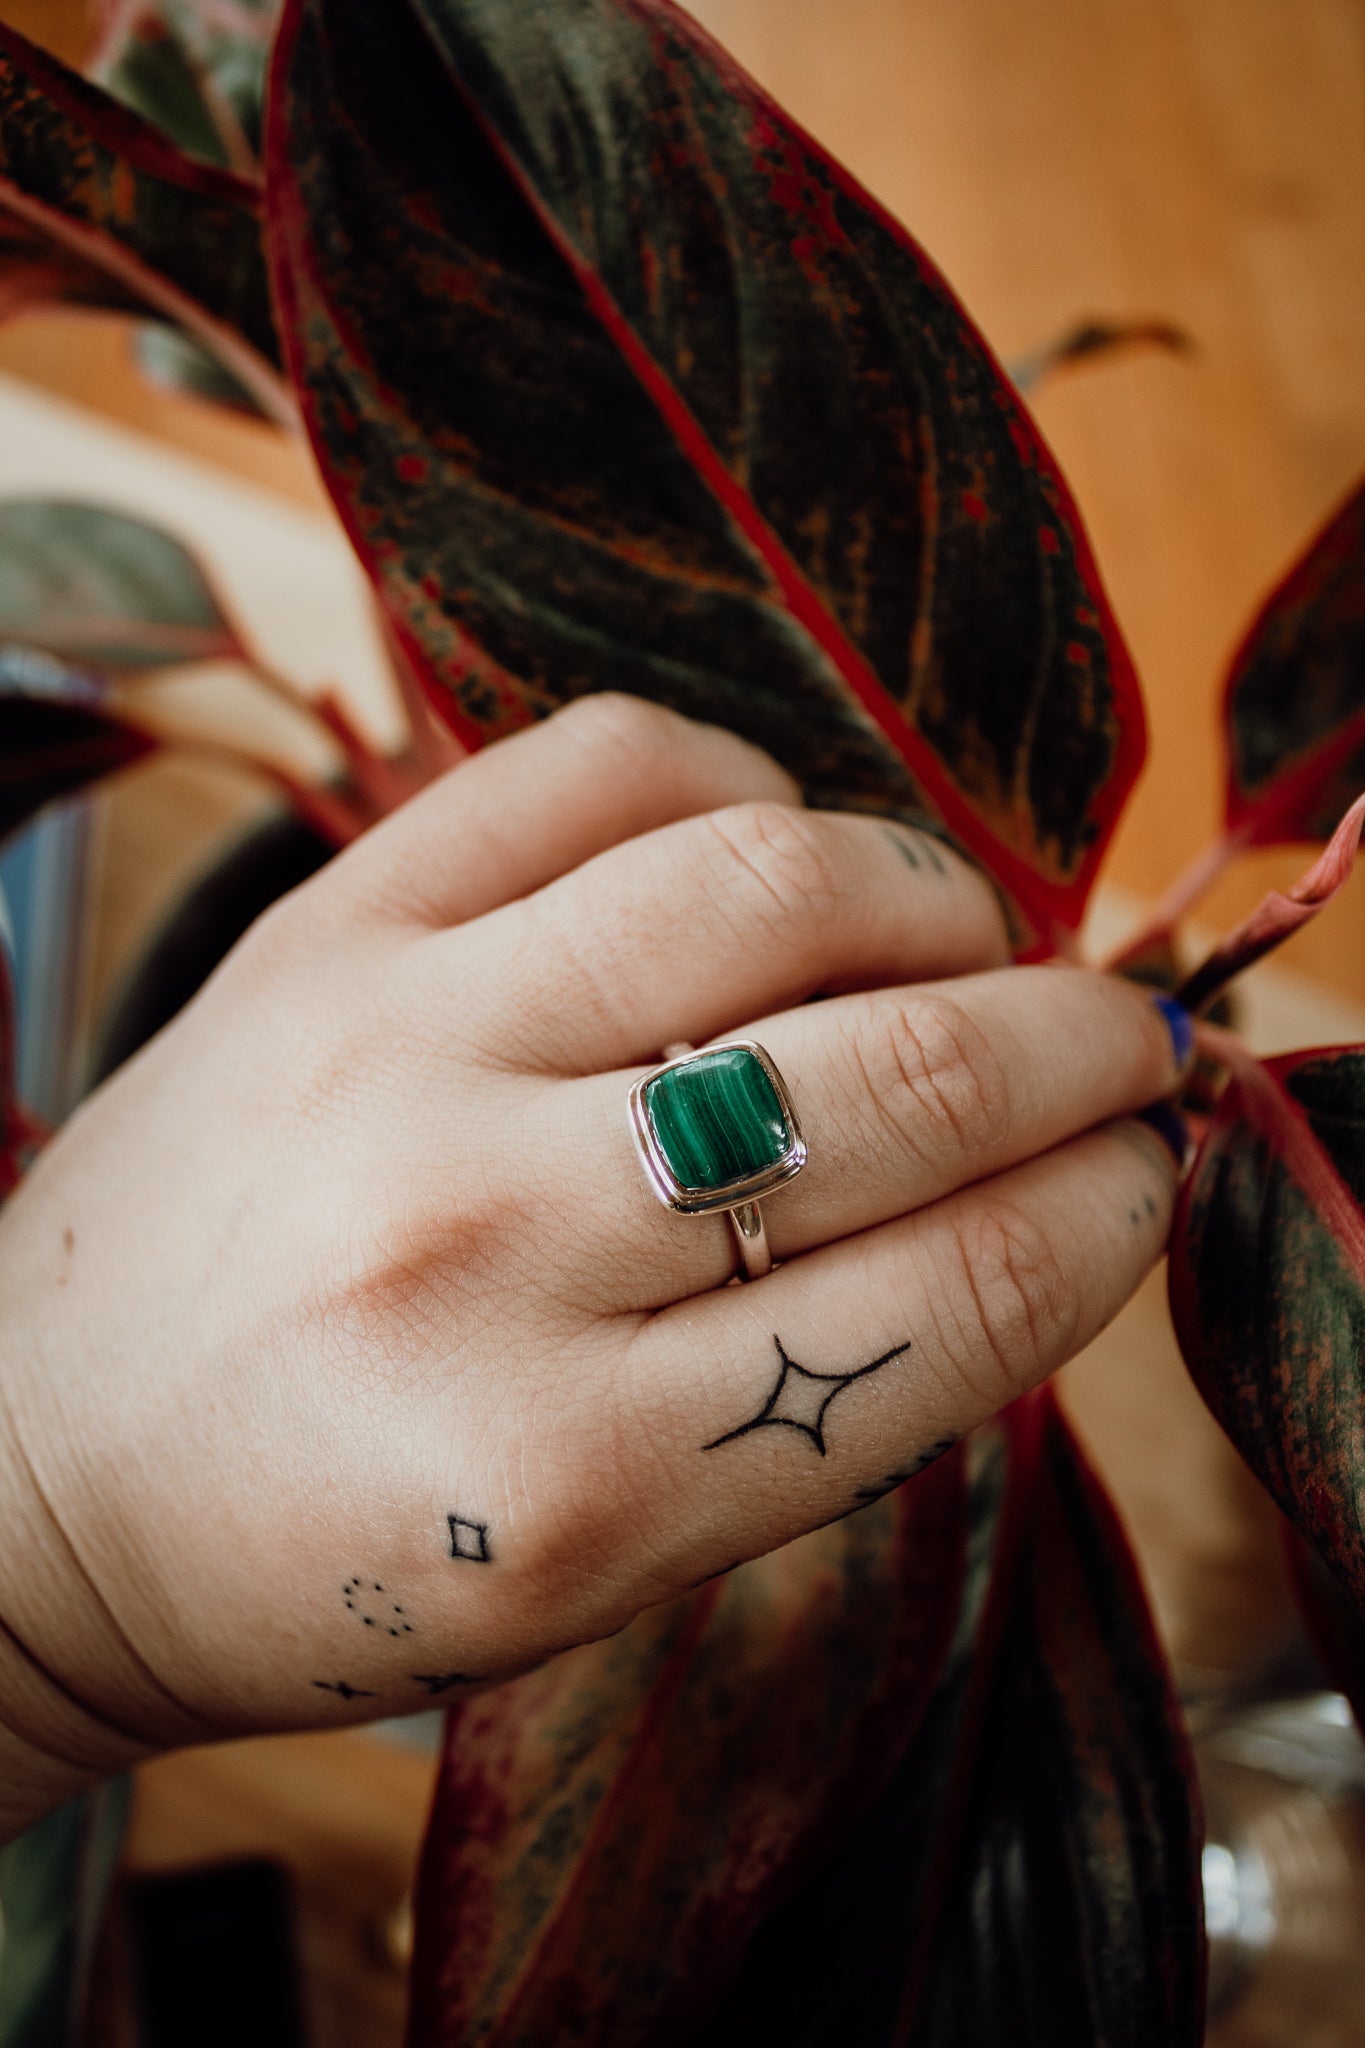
column 788, row 867
column 1025, row 1306
column 610, row 721
column 945, row 1085
column 275, row 952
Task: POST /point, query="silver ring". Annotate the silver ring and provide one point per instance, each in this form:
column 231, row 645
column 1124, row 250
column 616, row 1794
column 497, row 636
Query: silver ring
column 715, row 1131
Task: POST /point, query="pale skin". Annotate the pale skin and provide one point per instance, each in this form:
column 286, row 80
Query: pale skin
column 349, row 1358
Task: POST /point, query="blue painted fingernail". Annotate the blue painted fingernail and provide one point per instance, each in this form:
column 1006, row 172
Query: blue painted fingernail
column 1180, row 1024
column 1170, row 1126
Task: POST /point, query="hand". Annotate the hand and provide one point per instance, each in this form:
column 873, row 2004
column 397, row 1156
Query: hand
column 349, row 1356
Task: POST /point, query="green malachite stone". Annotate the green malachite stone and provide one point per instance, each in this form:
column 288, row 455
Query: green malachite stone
column 717, row 1120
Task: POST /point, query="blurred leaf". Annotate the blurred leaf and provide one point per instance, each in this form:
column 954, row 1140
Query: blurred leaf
column 1030, row 1875
column 120, row 217
column 1278, row 915
column 194, row 67
column 1295, row 703
column 618, row 381
column 1088, row 341
column 51, row 747
column 176, row 362
column 104, row 589
column 99, row 588
column 608, row 1831
column 1267, row 1282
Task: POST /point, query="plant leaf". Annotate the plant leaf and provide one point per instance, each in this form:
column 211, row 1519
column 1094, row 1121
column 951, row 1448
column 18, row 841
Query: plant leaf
column 1294, row 708
column 101, row 589
column 1278, row 915
column 618, row 381
column 105, row 194
column 1030, row 1874
column 1074, row 1912
column 1267, row 1283
column 52, row 747
column 105, row 590
column 176, row 362
column 194, row 67
column 608, row 1830
column 34, row 271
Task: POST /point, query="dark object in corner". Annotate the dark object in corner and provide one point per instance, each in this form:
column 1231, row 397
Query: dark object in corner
column 213, row 1958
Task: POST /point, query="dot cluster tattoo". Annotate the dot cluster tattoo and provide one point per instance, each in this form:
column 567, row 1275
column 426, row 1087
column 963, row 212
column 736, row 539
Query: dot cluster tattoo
column 803, row 1398
column 387, row 1615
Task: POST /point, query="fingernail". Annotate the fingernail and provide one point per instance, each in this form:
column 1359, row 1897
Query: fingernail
column 1180, row 1024
column 1170, row 1126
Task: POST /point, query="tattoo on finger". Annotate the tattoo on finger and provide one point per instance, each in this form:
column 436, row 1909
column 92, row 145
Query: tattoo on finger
column 911, row 1470
column 803, row 1397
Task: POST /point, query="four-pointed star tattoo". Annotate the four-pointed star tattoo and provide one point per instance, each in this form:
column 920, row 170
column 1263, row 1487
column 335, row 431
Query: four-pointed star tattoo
column 802, row 1399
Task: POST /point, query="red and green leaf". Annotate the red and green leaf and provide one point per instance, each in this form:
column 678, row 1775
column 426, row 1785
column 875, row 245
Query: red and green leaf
column 54, row 746
column 101, row 589
column 776, row 1811
column 1295, row 703
column 1073, row 1906
column 1278, row 915
column 1267, row 1282
column 96, row 192
column 618, row 381
column 1030, row 1873
column 608, row 1832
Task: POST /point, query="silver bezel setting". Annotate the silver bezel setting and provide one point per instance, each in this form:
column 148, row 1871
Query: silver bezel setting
column 691, row 1201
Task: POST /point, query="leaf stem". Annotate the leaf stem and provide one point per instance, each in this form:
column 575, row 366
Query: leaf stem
column 1185, row 891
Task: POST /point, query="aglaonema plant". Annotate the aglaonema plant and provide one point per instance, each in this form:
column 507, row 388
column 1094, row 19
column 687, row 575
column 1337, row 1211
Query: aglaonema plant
column 618, row 381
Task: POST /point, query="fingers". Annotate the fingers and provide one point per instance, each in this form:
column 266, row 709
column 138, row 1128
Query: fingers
column 532, row 807
column 689, row 930
column 904, row 1095
column 779, row 1406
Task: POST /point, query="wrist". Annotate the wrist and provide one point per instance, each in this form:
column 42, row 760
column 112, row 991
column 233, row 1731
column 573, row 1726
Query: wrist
column 76, row 1702
column 51, row 1747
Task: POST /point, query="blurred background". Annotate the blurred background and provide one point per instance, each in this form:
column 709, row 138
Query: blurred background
column 1194, row 162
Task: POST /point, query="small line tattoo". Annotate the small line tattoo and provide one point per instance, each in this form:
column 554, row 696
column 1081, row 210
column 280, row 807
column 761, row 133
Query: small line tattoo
column 802, row 1399
column 438, row 1682
column 469, row 1540
column 347, row 1692
column 865, row 1494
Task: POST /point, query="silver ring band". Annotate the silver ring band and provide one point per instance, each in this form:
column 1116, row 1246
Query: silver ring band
column 715, row 1130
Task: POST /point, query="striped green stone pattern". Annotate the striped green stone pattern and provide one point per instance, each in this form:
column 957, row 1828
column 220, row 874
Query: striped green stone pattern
column 717, row 1119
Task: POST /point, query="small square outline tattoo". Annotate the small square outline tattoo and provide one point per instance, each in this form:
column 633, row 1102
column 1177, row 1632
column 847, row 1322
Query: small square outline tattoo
column 469, row 1540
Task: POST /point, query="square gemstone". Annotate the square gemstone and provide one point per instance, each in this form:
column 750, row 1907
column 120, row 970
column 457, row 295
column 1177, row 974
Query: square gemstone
column 717, row 1119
